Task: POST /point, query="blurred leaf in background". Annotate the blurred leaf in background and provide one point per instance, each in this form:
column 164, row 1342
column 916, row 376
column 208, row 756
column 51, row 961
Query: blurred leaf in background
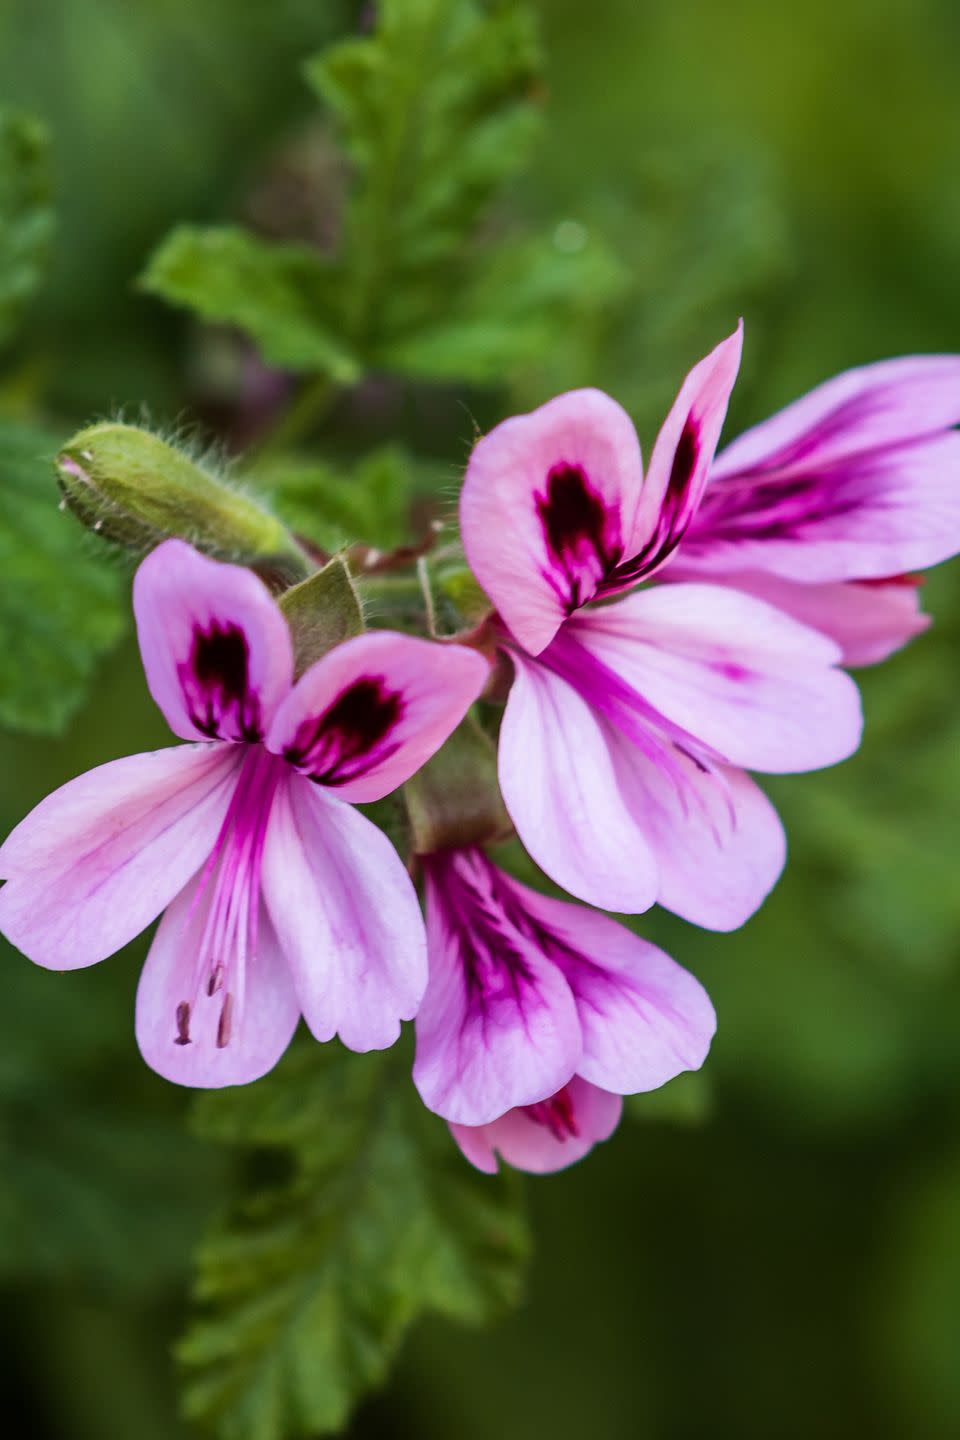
column 60, row 601
column 26, row 216
column 784, row 1266
column 307, row 1289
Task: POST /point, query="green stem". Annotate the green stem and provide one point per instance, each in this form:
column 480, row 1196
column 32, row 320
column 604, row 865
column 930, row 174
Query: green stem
column 311, row 405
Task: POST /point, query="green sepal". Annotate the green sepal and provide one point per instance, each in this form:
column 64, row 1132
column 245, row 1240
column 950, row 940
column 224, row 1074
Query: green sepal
column 321, row 612
column 136, row 489
column 454, row 800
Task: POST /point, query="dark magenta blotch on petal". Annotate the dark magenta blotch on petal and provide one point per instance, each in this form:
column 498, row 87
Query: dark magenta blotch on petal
column 582, row 533
column 684, row 460
column 495, row 932
column 351, row 734
column 677, row 509
column 216, row 684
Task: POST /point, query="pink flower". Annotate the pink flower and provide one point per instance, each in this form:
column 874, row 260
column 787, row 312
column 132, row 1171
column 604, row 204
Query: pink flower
column 282, row 898
column 538, row 1014
column 827, row 508
column 547, row 1136
column 629, row 726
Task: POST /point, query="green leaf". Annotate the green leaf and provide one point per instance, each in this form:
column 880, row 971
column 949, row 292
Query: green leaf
column 308, row 1287
column 279, row 295
column 60, row 604
column 685, row 1100
column 92, row 1146
column 26, row 215
column 435, row 110
column 334, row 506
column 527, row 302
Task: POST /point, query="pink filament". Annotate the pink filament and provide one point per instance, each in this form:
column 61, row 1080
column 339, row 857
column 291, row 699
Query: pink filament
column 229, row 940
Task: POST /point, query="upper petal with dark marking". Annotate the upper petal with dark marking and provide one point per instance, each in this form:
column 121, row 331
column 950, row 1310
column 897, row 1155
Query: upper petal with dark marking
column 547, row 500
column 369, row 714
column 215, row 646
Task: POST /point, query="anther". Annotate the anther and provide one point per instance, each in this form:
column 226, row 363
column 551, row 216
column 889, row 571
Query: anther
column 183, row 1024
column 223, row 1029
column 216, row 979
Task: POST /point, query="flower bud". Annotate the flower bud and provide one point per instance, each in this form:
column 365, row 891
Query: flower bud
column 135, row 489
column 454, row 800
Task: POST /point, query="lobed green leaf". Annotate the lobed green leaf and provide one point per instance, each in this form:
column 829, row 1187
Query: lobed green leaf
column 307, row 1288
column 435, row 110
column 279, row 295
column 336, row 505
column 60, row 605
column 26, row 215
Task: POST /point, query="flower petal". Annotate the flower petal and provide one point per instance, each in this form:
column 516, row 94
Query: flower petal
column 858, row 480
column 346, row 917
column 681, row 459
column 529, row 1144
column 547, row 501
column 498, row 1026
column 868, row 620
column 872, row 407
column 749, row 683
column 562, row 792
column 718, row 842
column 215, row 646
column 97, row 860
column 364, row 718
column 260, row 1033
column 643, row 1017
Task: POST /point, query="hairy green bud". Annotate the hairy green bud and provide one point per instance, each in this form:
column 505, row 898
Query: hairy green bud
column 136, row 489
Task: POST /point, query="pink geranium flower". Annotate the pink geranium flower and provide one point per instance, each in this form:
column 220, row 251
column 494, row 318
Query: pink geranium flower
column 629, row 725
column 280, row 898
column 539, row 1014
column 547, row 1136
column 826, row 509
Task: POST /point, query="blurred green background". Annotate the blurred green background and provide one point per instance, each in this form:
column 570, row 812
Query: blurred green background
column 772, row 1250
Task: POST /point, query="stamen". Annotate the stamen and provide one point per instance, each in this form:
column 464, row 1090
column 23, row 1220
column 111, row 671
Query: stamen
column 183, row 1024
column 230, row 889
column 226, row 1015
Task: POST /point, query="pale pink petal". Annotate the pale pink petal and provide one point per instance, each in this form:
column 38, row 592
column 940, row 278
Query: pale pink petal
column 97, row 860
column 745, row 681
column 364, row 718
column 718, row 841
column 259, row 1032
column 881, row 513
column 346, row 917
column 875, row 406
column 868, row 620
column 498, row 1026
column 546, row 504
column 681, row 459
column 643, row 1017
column 215, row 646
column 529, row 1144
column 561, row 789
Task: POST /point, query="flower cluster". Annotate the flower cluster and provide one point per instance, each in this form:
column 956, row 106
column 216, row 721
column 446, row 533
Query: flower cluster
column 661, row 634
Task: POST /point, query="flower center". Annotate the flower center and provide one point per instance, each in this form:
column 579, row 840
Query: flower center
column 230, row 888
